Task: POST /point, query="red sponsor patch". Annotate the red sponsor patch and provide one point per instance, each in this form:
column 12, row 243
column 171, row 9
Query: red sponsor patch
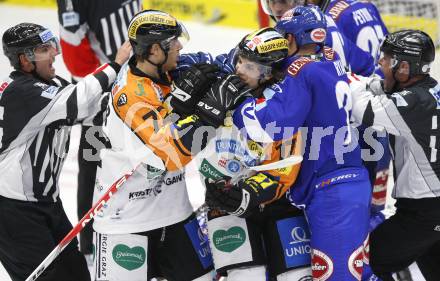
column 297, row 65
column 329, row 53
column 3, row 87
column 380, row 188
column 322, row 266
column 337, row 9
column 356, row 262
column 222, row 162
column 318, row 35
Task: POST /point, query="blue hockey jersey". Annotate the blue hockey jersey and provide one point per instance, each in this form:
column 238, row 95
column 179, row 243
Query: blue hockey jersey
column 353, row 58
column 315, row 96
column 360, row 22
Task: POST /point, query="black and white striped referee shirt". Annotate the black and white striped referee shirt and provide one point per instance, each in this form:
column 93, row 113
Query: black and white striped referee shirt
column 35, row 123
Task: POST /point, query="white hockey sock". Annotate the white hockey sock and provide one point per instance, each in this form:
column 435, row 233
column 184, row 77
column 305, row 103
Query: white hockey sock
column 295, row 274
column 255, row 273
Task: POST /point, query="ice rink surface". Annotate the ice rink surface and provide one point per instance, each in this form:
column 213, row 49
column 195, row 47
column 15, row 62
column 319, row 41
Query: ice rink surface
column 204, row 37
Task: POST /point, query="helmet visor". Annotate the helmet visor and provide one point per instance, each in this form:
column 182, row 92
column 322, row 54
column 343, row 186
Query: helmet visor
column 251, row 69
column 49, row 47
column 178, row 41
column 277, row 8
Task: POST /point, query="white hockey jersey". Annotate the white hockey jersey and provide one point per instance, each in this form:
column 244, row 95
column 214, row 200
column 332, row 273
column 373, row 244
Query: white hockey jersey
column 155, row 195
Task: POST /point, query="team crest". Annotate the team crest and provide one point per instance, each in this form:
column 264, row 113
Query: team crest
column 122, row 100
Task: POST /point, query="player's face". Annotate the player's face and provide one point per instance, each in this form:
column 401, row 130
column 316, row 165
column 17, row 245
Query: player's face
column 279, row 7
column 44, row 59
column 251, row 72
column 173, row 55
column 386, row 65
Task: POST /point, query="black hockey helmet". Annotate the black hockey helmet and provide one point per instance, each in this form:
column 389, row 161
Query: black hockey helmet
column 413, row 46
column 152, row 26
column 24, row 38
column 265, row 46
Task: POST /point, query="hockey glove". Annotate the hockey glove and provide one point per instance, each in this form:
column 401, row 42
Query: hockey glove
column 224, row 95
column 189, row 88
column 242, row 198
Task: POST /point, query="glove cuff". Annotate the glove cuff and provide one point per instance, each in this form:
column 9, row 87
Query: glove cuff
column 246, row 199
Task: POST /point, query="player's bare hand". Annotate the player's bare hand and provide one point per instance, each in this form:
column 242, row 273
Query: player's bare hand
column 123, row 53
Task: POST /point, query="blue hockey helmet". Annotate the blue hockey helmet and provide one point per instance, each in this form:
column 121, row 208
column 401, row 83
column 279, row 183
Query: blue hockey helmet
column 306, row 23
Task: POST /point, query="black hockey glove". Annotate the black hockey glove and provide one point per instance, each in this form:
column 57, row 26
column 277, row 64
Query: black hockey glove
column 224, row 95
column 189, row 88
column 242, row 198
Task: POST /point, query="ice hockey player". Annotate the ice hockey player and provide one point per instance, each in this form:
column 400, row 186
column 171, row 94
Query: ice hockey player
column 37, row 110
column 352, row 57
column 148, row 229
column 332, row 186
column 88, row 38
column 251, row 224
column 406, row 104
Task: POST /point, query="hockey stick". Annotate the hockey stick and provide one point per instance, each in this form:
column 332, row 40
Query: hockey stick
column 80, row 226
column 289, row 161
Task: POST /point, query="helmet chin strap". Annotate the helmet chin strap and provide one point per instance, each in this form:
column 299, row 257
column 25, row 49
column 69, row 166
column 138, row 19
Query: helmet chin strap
column 161, row 73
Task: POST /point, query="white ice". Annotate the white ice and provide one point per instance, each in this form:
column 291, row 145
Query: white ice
column 203, row 37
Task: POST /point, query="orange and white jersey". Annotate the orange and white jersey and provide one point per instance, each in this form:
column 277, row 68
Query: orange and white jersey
column 138, row 129
column 230, row 155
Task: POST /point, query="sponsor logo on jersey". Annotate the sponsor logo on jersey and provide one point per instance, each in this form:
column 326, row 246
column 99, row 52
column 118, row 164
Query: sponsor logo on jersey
column 255, row 148
column 50, row 92
column 336, row 179
column 367, row 250
column 142, row 194
column 329, row 53
column 229, row 240
column 380, row 188
column 233, row 166
column 129, row 258
column 200, row 242
column 70, row 19
column 122, row 100
column 435, row 92
column 222, row 162
column 337, row 9
column 322, row 266
column 175, row 179
column 235, row 147
column 318, row 35
column 295, row 239
column 102, row 250
column 153, row 172
column 356, row 262
column 297, row 65
column 209, row 171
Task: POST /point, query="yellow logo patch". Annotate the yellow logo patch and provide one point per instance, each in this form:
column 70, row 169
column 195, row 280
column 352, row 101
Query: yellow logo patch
column 278, row 44
column 149, row 18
